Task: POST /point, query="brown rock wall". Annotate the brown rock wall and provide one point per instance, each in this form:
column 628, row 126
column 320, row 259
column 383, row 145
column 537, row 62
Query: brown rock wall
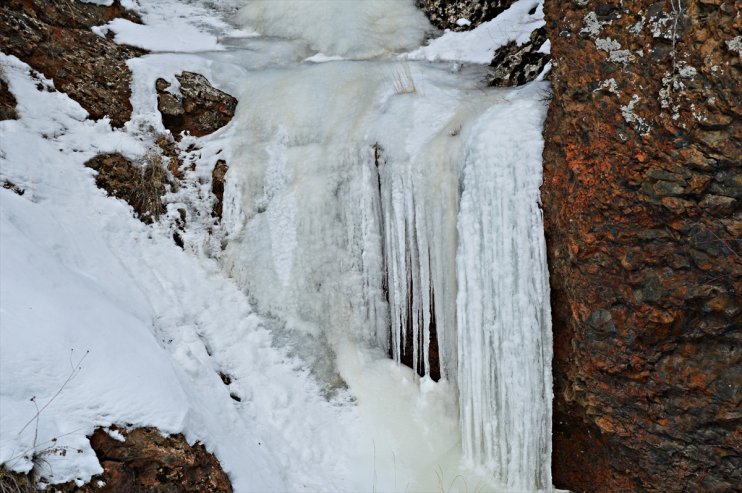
column 54, row 37
column 641, row 196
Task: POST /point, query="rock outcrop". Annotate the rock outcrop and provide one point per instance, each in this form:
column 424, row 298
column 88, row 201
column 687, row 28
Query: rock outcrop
column 641, row 197
column 445, row 14
column 54, row 38
column 514, row 65
column 197, row 107
column 137, row 461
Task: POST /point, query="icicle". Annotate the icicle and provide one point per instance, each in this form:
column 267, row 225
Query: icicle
column 504, row 331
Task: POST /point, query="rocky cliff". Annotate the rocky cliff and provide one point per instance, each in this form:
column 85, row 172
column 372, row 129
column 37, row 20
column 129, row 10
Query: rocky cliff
column 641, row 200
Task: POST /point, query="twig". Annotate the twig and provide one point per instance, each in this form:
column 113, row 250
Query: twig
column 74, row 372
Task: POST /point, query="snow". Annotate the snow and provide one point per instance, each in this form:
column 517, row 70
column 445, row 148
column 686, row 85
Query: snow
column 353, row 198
column 351, row 29
column 479, row 45
column 184, row 27
column 149, row 314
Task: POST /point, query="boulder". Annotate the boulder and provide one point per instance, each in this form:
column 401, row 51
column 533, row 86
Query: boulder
column 197, row 108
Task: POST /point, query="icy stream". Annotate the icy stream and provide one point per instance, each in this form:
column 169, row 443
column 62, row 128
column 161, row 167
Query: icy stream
column 384, row 205
column 381, row 210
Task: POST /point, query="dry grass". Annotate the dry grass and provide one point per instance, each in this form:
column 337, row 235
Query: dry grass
column 151, row 187
column 403, row 81
column 14, row 482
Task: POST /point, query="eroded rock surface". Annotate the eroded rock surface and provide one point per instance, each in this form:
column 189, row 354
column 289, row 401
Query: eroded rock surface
column 641, row 198
column 54, row 38
column 445, row 14
column 197, row 107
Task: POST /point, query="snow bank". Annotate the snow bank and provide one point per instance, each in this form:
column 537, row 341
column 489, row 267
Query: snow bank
column 479, row 44
column 174, row 26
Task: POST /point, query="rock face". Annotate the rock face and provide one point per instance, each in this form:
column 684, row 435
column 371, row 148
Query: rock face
column 641, row 196
column 198, row 108
column 54, row 37
column 444, row 14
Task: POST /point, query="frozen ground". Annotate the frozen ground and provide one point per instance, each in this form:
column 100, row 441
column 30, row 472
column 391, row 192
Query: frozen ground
column 334, row 160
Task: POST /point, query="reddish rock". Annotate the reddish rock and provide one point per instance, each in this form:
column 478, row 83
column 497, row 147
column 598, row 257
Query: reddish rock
column 197, row 108
column 641, row 201
column 54, row 38
column 148, row 461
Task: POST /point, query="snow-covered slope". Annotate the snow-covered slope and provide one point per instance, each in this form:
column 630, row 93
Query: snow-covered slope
column 81, row 275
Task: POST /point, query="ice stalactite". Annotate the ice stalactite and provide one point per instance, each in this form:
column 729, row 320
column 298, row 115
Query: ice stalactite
column 412, row 262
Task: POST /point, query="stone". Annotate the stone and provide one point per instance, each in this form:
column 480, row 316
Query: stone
column 7, row 102
column 198, row 109
column 141, row 185
column 147, row 460
column 217, row 187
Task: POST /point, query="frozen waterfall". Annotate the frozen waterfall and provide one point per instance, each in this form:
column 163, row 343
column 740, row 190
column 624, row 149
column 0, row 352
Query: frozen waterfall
column 377, row 205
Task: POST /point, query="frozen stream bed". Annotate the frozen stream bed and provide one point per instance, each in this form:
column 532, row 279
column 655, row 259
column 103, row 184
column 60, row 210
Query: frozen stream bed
column 381, row 201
